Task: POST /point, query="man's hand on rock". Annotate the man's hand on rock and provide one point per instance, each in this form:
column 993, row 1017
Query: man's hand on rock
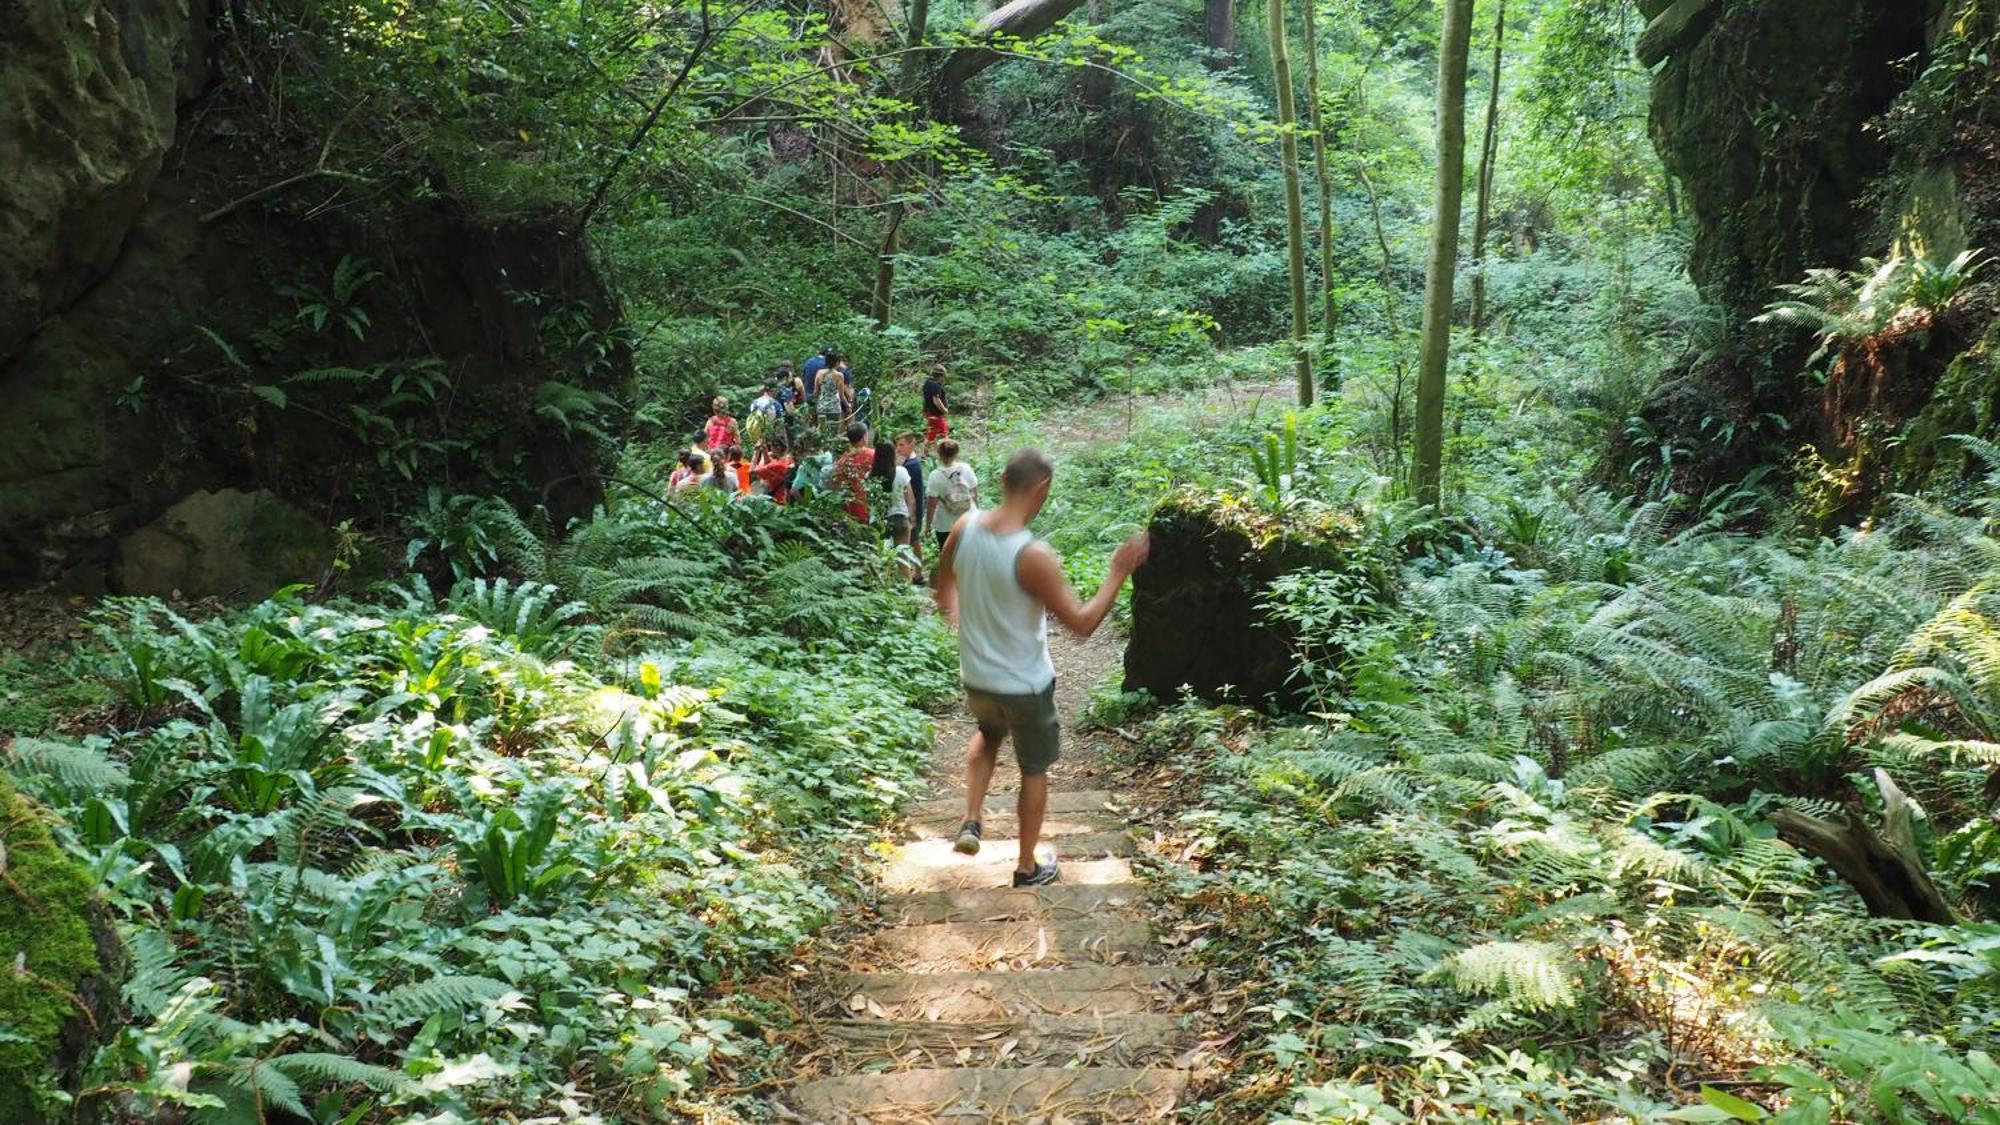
column 1131, row 554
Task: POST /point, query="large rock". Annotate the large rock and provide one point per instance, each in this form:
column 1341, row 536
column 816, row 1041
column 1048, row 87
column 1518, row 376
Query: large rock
column 1781, row 121
column 149, row 338
column 227, row 544
column 87, row 98
column 1198, row 620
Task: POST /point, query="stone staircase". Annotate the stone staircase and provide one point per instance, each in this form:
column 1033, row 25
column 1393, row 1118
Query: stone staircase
column 985, row 1003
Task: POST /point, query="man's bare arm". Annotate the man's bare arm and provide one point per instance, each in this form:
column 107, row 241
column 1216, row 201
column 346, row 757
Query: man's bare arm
column 1041, row 576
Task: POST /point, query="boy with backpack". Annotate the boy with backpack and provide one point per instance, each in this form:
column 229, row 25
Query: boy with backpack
column 953, row 490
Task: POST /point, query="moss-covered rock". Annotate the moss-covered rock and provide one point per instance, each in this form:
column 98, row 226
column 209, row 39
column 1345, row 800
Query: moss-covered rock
column 227, row 543
column 59, row 963
column 1197, row 619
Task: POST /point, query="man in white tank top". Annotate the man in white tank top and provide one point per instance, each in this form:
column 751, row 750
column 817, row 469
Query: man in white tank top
column 999, row 584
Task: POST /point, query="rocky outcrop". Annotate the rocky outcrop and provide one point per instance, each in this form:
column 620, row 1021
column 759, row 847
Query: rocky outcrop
column 1788, row 124
column 1761, row 113
column 155, row 333
column 88, row 93
column 59, row 988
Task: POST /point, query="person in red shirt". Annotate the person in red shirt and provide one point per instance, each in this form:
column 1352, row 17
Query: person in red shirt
column 849, row 477
column 721, row 430
column 772, row 471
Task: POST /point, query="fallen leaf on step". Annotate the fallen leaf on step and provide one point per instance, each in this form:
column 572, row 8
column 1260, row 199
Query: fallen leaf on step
column 1005, row 1049
column 857, row 1003
column 964, row 1055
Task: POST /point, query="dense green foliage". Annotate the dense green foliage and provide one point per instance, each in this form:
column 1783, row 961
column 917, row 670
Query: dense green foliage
column 452, row 855
column 1517, row 864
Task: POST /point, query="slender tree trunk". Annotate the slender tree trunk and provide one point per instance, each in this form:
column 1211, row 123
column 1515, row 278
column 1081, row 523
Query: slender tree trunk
column 1440, row 269
column 885, row 257
column 1295, row 227
column 885, row 266
column 1219, row 25
column 1322, row 180
column 1489, row 149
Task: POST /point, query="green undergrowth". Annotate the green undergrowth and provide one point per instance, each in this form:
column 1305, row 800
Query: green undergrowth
column 1517, row 862
column 504, row 853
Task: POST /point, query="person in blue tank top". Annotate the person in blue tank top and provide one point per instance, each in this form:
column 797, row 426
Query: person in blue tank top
column 999, row 585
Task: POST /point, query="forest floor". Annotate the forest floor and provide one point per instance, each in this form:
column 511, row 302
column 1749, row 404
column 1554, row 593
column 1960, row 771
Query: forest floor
column 972, row 1001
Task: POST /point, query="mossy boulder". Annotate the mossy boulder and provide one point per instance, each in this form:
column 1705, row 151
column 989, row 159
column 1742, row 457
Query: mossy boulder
column 226, row 543
column 62, row 964
column 150, row 344
column 1198, row 621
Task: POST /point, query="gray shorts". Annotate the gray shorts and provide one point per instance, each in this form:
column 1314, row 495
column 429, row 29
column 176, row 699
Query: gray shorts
column 1031, row 719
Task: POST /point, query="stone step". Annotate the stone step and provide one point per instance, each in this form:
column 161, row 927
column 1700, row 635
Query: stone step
column 976, row 1095
column 1060, row 801
column 1082, row 990
column 949, row 946
column 1000, row 826
column 933, row 865
column 990, row 869
column 1035, row 1040
column 1000, row 904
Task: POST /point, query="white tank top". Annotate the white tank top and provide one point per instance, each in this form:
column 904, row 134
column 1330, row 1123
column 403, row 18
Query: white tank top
column 1003, row 632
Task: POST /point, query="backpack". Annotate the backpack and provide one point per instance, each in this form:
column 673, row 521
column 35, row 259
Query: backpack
column 958, row 487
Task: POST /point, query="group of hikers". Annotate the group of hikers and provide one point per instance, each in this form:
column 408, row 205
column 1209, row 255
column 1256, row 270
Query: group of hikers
column 993, row 579
column 811, row 429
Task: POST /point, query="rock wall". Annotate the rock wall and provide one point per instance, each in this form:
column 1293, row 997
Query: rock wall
column 151, row 299
column 1773, row 116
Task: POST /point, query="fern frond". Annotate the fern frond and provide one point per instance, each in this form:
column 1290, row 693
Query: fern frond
column 80, row 770
column 410, row 1003
column 1524, row 974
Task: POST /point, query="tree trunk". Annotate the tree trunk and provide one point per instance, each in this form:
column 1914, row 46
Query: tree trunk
column 1295, row 227
column 885, row 266
column 1219, row 24
column 1322, row 180
column 1428, row 459
column 1489, row 148
column 1096, row 81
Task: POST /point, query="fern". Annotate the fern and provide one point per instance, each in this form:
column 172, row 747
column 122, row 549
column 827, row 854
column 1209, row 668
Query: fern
column 1522, row 974
column 338, row 1070
column 82, row 771
column 410, row 1003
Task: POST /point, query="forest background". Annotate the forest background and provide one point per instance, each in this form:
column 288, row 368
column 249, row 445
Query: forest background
column 504, row 797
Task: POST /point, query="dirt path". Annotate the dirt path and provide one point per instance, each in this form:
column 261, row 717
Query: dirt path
column 985, row 1003
column 978, row 1002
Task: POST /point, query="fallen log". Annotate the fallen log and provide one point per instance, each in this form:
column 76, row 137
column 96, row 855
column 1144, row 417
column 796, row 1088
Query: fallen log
column 1886, row 868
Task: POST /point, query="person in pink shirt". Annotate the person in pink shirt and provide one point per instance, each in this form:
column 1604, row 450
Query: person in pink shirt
column 721, row 432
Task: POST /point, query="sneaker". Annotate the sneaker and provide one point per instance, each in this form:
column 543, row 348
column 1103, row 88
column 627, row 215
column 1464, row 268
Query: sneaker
column 1041, row 876
column 968, row 839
